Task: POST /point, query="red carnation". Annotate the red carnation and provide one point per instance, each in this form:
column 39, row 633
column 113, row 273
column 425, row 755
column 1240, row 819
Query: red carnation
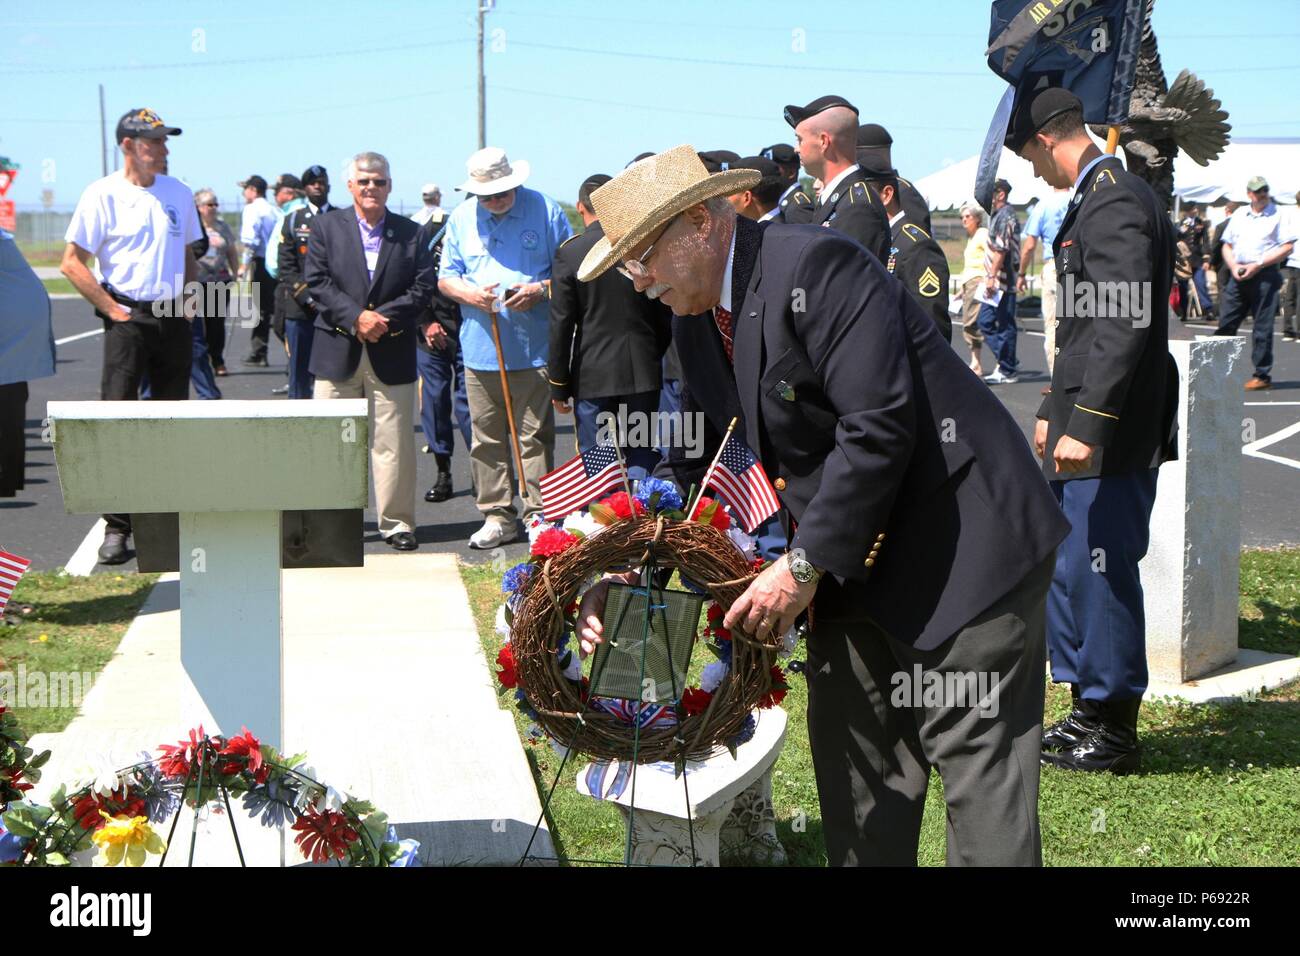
column 695, row 701
column 719, row 519
column 721, row 633
column 247, row 746
column 118, row 803
column 758, row 564
column 324, row 834
column 777, row 693
column 553, row 541
column 507, row 675
column 714, row 612
column 619, row 505
column 177, row 758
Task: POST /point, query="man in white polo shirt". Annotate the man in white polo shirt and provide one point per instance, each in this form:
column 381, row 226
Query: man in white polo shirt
column 1255, row 242
column 137, row 225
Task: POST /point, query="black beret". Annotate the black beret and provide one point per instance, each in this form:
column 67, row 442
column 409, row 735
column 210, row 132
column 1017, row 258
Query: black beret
column 288, row 181
column 314, row 174
column 782, row 153
column 1034, row 110
column 794, row 115
column 718, row 160
column 637, row 158
column 873, row 134
column 769, row 170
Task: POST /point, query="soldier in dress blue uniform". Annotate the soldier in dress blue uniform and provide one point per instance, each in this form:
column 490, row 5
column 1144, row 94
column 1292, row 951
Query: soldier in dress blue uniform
column 875, row 151
column 1104, row 429
column 914, row 257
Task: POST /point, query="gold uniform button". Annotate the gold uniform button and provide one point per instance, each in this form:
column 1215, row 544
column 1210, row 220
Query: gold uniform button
column 780, row 484
column 881, row 536
column 874, row 552
column 870, row 562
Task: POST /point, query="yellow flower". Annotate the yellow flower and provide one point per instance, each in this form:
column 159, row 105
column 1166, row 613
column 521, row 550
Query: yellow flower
column 129, row 838
column 44, row 638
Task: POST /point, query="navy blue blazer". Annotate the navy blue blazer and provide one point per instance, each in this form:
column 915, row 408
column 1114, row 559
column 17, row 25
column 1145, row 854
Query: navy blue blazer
column 338, row 279
column 905, row 477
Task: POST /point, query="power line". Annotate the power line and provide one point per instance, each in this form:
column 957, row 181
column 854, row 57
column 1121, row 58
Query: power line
column 263, row 61
column 676, row 25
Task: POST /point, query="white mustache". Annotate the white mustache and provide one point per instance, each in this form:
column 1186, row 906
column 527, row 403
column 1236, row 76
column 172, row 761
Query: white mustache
column 655, row 291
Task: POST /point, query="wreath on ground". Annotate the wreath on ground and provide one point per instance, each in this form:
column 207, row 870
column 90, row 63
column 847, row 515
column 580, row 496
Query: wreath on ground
column 116, row 811
column 540, row 661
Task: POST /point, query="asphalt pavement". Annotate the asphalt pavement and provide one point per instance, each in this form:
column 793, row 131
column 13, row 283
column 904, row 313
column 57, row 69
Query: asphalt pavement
column 35, row 525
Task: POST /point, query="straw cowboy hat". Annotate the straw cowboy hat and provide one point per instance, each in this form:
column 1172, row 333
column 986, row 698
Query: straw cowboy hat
column 648, row 194
column 490, row 172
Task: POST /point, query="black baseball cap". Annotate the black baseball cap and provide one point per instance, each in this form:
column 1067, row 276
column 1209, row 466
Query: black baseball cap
column 1002, row 186
column 256, row 181
column 718, row 160
column 314, row 174
column 794, row 115
column 288, row 181
column 143, row 124
column 1034, row 111
column 782, row 153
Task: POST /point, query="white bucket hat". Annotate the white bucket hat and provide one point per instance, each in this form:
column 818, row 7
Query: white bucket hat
column 490, row 172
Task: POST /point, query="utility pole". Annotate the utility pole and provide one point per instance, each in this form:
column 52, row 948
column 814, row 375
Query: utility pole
column 103, row 133
column 483, row 7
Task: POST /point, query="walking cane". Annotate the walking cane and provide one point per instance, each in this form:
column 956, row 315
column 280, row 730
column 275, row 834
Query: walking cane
column 510, row 410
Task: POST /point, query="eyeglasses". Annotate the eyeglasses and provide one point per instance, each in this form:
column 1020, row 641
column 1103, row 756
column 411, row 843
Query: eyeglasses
column 636, row 268
column 496, row 196
column 381, row 183
column 212, row 204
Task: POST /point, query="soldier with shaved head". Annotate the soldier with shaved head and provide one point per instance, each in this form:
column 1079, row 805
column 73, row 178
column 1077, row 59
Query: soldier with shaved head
column 826, row 135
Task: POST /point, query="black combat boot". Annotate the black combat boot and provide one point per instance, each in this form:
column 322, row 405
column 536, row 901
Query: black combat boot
column 1112, row 747
column 1079, row 723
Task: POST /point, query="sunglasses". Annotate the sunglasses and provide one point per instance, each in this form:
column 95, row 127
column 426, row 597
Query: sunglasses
column 495, row 197
column 381, row 183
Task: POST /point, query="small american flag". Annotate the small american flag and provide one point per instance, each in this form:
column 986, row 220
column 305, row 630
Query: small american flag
column 580, row 481
column 649, row 716
column 742, row 481
column 11, row 569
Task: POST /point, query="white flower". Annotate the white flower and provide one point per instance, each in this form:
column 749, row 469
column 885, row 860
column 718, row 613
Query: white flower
column 583, row 523
column 743, row 542
column 100, row 775
column 332, row 800
column 712, row 676
column 502, row 628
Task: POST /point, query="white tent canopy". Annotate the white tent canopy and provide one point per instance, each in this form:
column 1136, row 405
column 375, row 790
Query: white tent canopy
column 1277, row 160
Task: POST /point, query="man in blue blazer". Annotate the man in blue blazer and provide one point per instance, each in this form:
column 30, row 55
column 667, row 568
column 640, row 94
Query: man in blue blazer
column 372, row 279
column 919, row 518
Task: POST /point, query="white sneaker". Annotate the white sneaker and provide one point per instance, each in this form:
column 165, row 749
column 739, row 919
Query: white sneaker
column 997, row 378
column 492, row 534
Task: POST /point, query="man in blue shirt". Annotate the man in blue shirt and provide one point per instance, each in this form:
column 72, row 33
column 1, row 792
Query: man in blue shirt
column 496, row 258
column 1043, row 224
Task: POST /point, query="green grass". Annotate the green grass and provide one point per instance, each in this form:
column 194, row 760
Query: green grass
column 59, row 286
column 1220, row 782
column 75, row 625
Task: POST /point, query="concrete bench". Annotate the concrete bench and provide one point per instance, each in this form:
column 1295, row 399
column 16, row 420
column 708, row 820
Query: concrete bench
column 731, row 802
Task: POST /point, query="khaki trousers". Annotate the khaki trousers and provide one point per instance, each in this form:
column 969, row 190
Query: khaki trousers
column 491, row 456
column 392, row 441
column 1048, row 280
column 970, row 315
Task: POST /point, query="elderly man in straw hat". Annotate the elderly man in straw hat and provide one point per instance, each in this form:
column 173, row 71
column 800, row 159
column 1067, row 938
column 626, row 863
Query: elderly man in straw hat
column 919, row 518
column 496, row 258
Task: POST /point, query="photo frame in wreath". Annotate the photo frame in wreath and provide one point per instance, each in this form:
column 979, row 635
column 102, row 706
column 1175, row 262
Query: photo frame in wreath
column 640, row 661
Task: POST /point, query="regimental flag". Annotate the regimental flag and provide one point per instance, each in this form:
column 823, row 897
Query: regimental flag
column 12, row 568
column 743, row 482
column 580, row 481
column 1089, row 47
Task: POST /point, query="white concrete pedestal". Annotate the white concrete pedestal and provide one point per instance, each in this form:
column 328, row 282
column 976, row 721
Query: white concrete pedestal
column 1190, row 576
column 731, row 804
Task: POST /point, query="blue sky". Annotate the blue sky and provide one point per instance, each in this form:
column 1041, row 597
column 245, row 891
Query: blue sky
column 574, row 86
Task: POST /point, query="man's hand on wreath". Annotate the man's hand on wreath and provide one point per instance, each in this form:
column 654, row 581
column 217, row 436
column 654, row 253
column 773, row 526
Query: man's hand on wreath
column 592, row 609
column 771, row 603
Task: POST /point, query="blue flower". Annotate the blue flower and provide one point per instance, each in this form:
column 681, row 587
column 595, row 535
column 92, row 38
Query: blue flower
column 161, row 797
column 11, row 846
column 746, row 732
column 273, row 803
column 516, row 578
column 669, row 498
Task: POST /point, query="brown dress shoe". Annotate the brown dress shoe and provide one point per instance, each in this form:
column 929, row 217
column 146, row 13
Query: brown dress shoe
column 1258, row 384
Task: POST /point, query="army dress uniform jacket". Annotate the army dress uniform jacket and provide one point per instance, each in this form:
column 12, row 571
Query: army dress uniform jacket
column 1114, row 384
column 854, row 211
column 796, row 207
column 291, row 262
column 916, row 260
column 905, row 477
column 606, row 339
column 442, row 308
column 341, row 285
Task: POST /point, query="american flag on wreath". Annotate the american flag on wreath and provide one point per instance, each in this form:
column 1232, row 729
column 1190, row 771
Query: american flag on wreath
column 743, row 482
column 580, row 481
column 648, row 715
column 11, row 569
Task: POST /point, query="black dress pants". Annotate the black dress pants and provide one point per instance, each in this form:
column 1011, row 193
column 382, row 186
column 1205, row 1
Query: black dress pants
column 13, row 438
